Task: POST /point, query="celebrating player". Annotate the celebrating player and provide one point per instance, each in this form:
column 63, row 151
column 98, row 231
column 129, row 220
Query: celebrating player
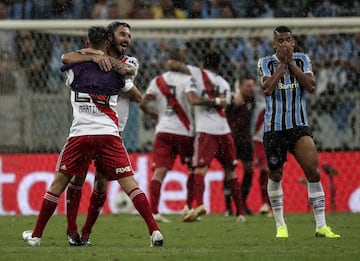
column 213, row 136
column 285, row 77
column 94, row 135
column 120, row 38
column 174, row 129
column 239, row 114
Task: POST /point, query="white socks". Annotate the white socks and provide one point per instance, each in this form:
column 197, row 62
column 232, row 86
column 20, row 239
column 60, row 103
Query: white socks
column 317, row 199
column 275, row 193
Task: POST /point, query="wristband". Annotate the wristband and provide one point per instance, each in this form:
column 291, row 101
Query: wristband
column 217, row 101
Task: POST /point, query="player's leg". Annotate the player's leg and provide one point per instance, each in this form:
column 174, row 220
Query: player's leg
column 276, row 151
column 164, row 153
column 155, row 192
column 235, row 190
column 74, row 160
column 205, row 147
column 48, row 206
column 260, row 161
column 142, row 205
column 227, row 157
column 97, row 201
column 73, row 197
column 306, row 154
column 246, row 183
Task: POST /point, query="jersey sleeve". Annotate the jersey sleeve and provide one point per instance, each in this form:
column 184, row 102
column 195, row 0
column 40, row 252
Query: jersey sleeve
column 132, row 61
column 262, row 70
column 128, row 85
column 307, row 64
column 152, row 88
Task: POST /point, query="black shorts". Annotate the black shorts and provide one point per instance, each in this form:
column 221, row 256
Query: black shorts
column 244, row 151
column 278, row 143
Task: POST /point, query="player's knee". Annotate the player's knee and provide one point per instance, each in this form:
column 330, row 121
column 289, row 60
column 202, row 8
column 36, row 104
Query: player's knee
column 313, row 175
column 275, row 175
column 100, row 186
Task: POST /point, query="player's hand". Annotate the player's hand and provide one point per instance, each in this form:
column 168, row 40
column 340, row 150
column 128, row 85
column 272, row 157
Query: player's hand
column 222, row 102
column 103, row 62
column 90, row 51
column 154, row 117
column 289, row 53
column 282, row 54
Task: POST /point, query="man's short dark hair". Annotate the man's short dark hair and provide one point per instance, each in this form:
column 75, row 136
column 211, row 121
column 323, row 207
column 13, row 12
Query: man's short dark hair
column 176, row 54
column 114, row 25
column 211, row 60
column 282, row 29
column 246, row 77
column 97, row 36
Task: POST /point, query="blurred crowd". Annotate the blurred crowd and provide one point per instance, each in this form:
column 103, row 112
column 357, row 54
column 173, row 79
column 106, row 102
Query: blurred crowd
column 179, row 9
column 32, row 59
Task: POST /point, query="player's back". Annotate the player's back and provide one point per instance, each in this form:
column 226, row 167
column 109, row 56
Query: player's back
column 175, row 111
column 94, row 99
column 211, row 85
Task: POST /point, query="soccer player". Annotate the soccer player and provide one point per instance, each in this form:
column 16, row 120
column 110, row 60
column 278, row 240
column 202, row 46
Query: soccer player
column 174, row 128
column 259, row 151
column 239, row 114
column 94, row 135
column 120, row 39
column 285, row 77
column 213, row 135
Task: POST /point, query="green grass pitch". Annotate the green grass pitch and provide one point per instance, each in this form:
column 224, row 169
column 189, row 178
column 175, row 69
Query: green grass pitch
column 215, row 237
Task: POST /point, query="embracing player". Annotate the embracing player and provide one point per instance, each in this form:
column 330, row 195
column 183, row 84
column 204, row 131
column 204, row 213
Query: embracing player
column 174, row 129
column 94, row 135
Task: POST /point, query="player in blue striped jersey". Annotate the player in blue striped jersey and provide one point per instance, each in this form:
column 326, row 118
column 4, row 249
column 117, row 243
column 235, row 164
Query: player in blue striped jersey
column 285, row 78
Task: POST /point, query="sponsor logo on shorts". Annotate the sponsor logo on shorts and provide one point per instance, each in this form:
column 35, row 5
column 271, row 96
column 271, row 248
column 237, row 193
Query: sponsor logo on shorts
column 123, row 169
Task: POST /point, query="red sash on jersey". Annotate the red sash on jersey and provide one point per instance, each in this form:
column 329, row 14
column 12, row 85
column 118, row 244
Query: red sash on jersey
column 172, row 101
column 210, row 91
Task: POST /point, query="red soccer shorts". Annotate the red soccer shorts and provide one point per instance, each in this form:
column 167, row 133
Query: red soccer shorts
column 209, row 146
column 167, row 146
column 108, row 152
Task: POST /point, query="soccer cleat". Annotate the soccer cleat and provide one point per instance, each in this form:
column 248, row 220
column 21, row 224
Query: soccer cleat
column 85, row 240
column 74, row 241
column 325, row 231
column 186, row 210
column 241, row 219
column 160, row 218
column 32, row 241
column 265, row 209
column 156, row 239
column 194, row 214
column 282, row 232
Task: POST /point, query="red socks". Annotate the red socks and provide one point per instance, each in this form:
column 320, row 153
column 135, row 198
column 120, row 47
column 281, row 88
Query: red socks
column 143, row 207
column 48, row 207
column 190, row 190
column 236, row 195
column 96, row 203
column 199, row 188
column 73, row 196
column 155, row 189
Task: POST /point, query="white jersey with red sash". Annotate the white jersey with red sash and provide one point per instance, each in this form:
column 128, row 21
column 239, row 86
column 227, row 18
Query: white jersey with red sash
column 210, row 119
column 123, row 100
column 169, row 91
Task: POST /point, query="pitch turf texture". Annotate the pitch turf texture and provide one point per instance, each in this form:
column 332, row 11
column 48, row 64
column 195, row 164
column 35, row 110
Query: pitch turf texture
column 215, row 237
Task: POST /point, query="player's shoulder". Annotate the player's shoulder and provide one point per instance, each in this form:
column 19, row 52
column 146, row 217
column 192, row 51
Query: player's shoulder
column 301, row 56
column 222, row 81
column 267, row 58
column 131, row 60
